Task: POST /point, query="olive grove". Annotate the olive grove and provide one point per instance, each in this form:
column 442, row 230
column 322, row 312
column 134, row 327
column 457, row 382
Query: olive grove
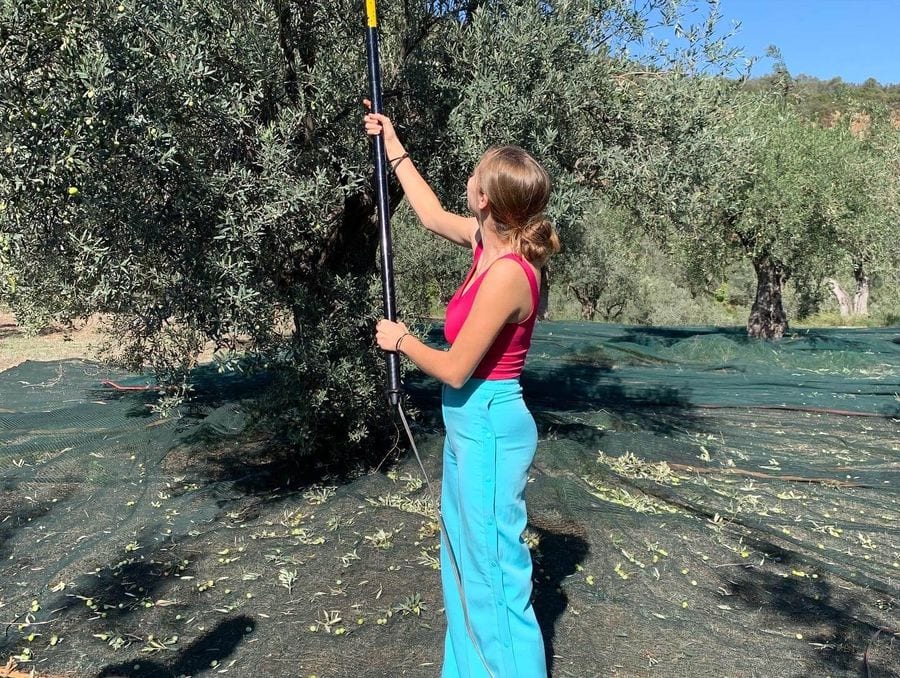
column 197, row 171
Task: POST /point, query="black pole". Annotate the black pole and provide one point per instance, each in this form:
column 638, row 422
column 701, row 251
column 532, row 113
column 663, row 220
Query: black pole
column 383, row 201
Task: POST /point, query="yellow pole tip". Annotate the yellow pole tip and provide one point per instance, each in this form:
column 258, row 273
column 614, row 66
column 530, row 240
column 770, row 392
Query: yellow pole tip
column 370, row 12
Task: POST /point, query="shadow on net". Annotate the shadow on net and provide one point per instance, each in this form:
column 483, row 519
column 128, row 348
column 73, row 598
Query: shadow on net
column 558, row 392
column 556, row 558
column 846, row 641
column 201, row 656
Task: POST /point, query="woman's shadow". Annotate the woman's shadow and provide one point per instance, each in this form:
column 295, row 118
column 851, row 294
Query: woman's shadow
column 555, row 558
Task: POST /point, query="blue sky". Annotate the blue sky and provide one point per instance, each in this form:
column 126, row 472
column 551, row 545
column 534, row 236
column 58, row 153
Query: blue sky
column 850, row 39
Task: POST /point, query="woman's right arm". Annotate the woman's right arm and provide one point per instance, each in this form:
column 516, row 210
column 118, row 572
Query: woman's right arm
column 455, row 228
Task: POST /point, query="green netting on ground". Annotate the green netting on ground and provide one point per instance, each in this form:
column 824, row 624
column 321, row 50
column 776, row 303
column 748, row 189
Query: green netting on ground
column 701, row 505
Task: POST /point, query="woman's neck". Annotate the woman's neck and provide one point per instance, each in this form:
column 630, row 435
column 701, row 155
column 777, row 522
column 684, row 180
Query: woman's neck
column 492, row 244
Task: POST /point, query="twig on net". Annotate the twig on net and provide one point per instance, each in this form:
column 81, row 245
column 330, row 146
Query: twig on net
column 767, row 476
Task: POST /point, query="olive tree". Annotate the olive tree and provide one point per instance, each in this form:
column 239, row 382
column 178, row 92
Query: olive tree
column 809, row 197
column 870, row 250
column 198, row 172
column 602, row 263
column 561, row 79
column 750, row 178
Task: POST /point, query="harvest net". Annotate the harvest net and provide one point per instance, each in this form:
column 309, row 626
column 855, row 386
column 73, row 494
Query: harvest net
column 701, row 505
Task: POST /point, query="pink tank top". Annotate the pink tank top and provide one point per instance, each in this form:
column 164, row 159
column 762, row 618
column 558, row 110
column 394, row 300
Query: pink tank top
column 506, row 356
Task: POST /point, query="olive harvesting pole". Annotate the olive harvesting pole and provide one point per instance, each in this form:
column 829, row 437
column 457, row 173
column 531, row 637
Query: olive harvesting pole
column 394, row 391
column 394, row 387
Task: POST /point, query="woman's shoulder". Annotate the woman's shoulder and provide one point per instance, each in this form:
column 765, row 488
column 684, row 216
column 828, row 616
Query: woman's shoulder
column 510, row 289
column 511, row 270
column 531, row 270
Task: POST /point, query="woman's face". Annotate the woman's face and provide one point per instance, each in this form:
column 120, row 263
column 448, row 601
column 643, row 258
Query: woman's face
column 473, row 192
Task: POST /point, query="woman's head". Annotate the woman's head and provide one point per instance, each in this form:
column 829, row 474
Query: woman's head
column 517, row 189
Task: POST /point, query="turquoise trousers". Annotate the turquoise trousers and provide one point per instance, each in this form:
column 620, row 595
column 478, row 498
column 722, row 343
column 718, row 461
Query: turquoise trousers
column 490, row 444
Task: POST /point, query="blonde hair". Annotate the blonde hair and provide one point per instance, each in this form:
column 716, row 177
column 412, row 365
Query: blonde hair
column 518, row 189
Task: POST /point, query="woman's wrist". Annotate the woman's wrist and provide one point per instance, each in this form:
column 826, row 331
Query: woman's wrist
column 400, row 341
column 397, row 161
column 394, row 150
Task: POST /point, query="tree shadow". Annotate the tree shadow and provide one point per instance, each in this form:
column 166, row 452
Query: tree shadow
column 12, row 329
column 845, row 636
column 572, row 387
column 836, row 604
column 667, row 336
column 210, row 390
column 585, row 379
column 556, row 557
column 8, row 330
column 116, row 591
column 124, row 585
column 214, row 441
column 553, row 426
column 22, row 515
column 255, row 466
column 204, row 654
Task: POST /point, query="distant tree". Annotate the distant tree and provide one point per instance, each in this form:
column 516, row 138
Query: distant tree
column 601, row 265
column 828, row 101
column 863, row 122
column 872, row 84
column 799, row 201
column 869, row 243
column 751, row 178
column 669, row 169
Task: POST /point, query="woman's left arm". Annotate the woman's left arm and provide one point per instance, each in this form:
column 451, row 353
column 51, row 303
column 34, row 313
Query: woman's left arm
column 498, row 301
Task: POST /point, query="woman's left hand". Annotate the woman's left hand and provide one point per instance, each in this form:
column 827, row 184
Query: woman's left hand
column 387, row 333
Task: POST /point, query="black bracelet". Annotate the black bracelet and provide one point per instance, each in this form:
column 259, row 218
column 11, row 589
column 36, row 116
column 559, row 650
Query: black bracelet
column 400, row 341
column 398, row 160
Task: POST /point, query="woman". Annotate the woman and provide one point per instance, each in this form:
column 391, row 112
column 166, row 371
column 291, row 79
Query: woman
column 491, row 436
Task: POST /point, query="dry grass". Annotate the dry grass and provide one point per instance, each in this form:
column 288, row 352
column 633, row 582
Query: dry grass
column 52, row 343
column 11, row 670
column 57, row 343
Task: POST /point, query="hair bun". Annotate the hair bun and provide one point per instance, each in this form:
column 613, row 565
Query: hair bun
column 537, row 240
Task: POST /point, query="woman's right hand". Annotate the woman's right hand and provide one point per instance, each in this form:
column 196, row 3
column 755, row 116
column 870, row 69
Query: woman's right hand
column 376, row 124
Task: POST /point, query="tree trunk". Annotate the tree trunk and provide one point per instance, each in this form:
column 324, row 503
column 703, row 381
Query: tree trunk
column 543, row 312
column 614, row 310
column 767, row 317
column 587, row 301
column 859, row 304
column 861, row 298
column 843, row 298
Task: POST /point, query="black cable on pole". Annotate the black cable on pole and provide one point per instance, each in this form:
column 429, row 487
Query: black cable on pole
column 394, row 387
